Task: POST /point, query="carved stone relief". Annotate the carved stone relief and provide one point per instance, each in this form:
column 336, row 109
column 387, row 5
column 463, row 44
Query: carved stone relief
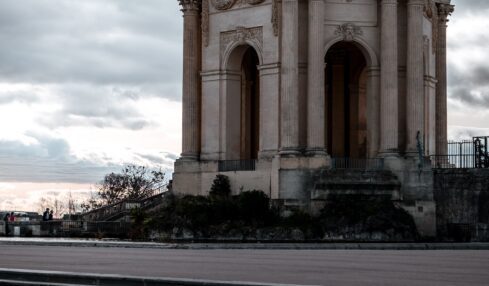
column 348, row 31
column 228, row 4
column 205, row 22
column 276, row 18
column 240, row 36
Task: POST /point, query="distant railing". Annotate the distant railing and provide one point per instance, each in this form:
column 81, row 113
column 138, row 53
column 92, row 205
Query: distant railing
column 123, row 207
column 453, row 161
column 466, row 154
column 237, row 165
column 373, row 164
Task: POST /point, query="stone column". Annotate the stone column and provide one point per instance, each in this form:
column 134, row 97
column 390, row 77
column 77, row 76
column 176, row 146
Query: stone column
column 373, row 111
column 389, row 91
column 444, row 10
column 191, row 79
column 415, row 75
column 290, row 79
column 316, row 129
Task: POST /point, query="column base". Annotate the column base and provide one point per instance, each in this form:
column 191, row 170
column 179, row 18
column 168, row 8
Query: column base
column 316, row 152
column 189, row 157
column 290, row 152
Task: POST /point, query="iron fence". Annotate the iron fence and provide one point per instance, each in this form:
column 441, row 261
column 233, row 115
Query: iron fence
column 358, row 163
column 236, row 165
column 466, row 154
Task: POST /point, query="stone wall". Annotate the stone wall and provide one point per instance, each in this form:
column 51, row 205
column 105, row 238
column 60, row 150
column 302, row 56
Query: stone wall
column 462, row 199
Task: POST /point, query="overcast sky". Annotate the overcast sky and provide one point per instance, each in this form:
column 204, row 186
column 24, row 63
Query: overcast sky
column 86, row 86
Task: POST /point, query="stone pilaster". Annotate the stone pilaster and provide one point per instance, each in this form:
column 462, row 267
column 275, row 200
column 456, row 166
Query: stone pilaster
column 389, row 91
column 316, row 129
column 415, row 75
column 289, row 143
column 444, row 10
column 191, row 79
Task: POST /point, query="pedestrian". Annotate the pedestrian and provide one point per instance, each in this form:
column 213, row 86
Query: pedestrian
column 45, row 215
column 51, row 215
column 12, row 217
column 5, row 220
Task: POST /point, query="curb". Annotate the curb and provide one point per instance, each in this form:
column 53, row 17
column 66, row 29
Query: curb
column 257, row 246
column 38, row 277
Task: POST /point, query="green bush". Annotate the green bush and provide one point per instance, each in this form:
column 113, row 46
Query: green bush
column 221, row 188
column 254, row 207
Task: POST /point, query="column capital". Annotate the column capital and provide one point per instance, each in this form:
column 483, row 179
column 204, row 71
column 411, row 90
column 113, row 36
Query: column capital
column 444, row 11
column 190, row 5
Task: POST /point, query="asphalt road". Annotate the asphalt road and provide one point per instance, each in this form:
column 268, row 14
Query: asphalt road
column 310, row 267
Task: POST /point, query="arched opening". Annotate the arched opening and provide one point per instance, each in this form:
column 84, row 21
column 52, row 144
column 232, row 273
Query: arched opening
column 250, row 92
column 242, row 104
column 346, row 101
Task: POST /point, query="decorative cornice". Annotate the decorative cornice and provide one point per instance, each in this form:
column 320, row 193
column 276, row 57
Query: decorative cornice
column 348, row 31
column 190, row 5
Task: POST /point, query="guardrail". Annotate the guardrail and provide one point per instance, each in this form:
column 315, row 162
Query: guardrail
column 237, row 165
column 374, row 164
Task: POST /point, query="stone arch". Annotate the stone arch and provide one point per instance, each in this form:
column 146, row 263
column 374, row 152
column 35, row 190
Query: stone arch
column 241, row 97
column 234, row 51
column 368, row 52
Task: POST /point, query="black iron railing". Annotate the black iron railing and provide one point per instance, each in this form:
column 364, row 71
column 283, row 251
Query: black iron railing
column 466, row 154
column 237, row 165
column 358, row 163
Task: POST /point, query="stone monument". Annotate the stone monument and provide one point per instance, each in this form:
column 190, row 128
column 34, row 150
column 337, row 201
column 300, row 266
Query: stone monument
column 307, row 98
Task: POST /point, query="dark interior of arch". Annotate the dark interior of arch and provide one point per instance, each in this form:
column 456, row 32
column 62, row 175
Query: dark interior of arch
column 345, row 91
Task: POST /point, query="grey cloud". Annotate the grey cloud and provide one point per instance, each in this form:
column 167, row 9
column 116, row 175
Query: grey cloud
column 18, row 96
column 122, row 42
column 47, row 161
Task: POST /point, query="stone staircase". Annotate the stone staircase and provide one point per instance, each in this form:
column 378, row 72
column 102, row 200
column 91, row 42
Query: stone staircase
column 355, row 182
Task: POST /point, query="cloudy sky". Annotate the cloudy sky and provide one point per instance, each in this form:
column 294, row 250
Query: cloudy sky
column 89, row 85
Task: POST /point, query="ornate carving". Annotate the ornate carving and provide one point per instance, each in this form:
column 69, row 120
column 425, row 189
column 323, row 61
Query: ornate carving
column 276, row 17
column 255, row 2
column 241, row 35
column 445, row 10
column 428, row 9
column 348, row 31
column 190, row 5
column 223, row 4
column 205, row 22
column 228, row 4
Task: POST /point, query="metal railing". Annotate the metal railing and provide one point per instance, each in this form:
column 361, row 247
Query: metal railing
column 466, row 154
column 237, row 165
column 123, row 207
column 374, row 164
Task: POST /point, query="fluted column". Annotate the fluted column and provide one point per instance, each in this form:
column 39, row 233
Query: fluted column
column 389, row 123
column 290, row 79
column 316, row 130
column 415, row 75
column 191, row 79
column 444, row 10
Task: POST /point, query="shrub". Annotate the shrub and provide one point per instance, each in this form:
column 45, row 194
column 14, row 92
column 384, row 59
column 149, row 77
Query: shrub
column 254, row 207
column 221, row 188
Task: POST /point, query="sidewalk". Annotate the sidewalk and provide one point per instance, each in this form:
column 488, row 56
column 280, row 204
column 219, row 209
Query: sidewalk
column 68, row 242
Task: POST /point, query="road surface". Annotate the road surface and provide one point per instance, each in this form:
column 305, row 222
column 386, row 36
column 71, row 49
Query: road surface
column 307, row 267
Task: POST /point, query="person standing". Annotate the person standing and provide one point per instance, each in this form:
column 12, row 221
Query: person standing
column 5, row 220
column 51, row 214
column 45, row 215
column 12, row 217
